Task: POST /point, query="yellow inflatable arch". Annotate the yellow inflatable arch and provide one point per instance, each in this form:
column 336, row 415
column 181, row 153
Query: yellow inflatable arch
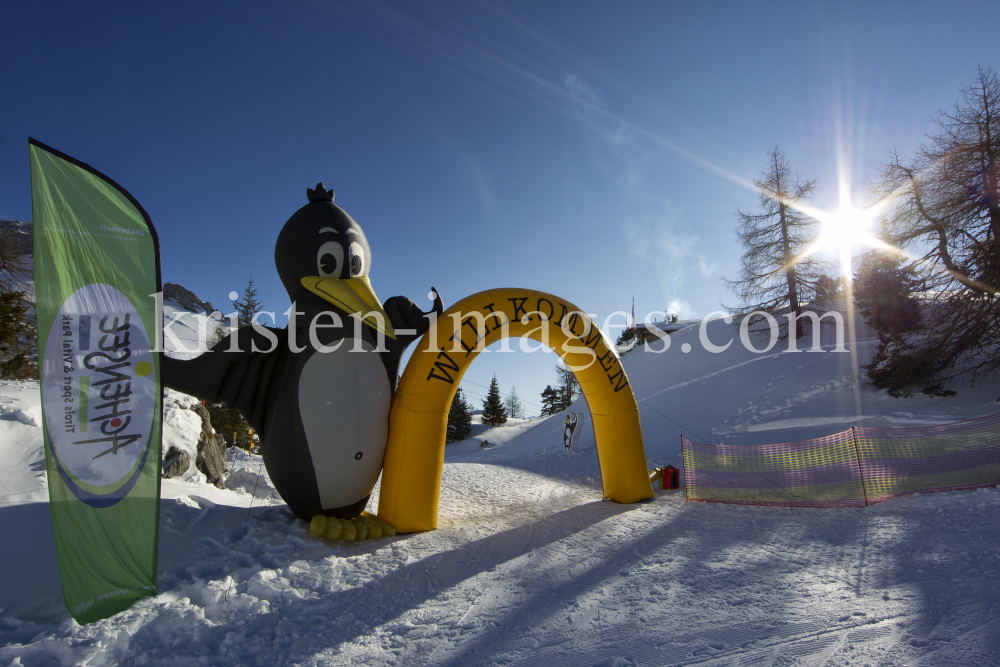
column 414, row 458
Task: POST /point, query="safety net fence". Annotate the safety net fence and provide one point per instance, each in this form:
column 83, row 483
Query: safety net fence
column 853, row 468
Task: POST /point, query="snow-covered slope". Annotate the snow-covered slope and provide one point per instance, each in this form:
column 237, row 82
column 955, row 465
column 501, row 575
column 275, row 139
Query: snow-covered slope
column 530, row 567
column 186, row 333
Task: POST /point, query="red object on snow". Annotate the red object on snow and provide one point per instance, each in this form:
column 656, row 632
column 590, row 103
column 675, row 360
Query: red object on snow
column 671, row 478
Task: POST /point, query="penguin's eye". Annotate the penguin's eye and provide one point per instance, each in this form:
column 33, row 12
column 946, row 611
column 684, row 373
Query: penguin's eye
column 329, row 259
column 358, row 263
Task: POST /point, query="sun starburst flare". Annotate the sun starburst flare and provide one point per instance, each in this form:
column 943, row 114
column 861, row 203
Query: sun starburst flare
column 843, row 230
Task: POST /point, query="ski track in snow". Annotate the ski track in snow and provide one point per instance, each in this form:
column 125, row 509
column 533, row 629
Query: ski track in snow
column 530, row 567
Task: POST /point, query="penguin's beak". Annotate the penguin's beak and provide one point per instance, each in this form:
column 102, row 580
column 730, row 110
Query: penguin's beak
column 355, row 296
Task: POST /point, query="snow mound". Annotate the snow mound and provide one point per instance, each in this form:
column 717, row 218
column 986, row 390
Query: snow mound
column 22, row 457
column 249, row 482
column 19, row 415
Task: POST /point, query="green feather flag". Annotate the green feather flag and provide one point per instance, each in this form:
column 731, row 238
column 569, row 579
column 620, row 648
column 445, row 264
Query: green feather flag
column 97, row 271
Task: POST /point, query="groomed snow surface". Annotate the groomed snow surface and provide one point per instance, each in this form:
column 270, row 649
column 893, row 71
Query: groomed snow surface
column 530, row 567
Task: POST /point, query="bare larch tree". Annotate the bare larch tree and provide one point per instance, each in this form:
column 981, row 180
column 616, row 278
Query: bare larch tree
column 774, row 277
column 944, row 209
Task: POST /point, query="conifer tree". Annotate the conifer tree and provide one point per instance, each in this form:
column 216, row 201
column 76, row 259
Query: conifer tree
column 494, row 412
column 230, row 424
column 227, row 421
column 13, row 309
column 459, row 418
column 884, row 292
column 13, row 328
column 248, row 306
column 550, row 401
column 218, row 333
column 625, row 336
column 569, row 388
column 17, row 322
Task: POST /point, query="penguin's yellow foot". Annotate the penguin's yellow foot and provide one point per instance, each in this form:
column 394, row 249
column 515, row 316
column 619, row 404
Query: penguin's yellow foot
column 377, row 526
column 365, row 526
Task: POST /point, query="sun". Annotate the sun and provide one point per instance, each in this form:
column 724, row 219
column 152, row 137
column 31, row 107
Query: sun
column 847, row 228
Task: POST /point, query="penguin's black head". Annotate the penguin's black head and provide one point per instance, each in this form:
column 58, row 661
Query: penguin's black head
column 323, row 258
column 320, row 239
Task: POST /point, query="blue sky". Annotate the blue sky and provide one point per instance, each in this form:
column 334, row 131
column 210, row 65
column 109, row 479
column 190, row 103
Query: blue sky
column 594, row 150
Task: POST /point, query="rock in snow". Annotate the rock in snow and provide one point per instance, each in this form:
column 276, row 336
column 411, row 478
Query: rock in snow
column 188, row 437
column 175, row 462
column 211, row 449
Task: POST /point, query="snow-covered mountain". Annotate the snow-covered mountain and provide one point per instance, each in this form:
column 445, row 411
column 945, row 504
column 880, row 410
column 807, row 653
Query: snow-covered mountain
column 530, row 567
column 188, row 322
column 20, row 232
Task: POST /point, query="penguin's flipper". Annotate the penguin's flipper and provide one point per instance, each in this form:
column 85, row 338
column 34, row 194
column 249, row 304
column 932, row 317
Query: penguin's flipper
column 237, row 371
column 406, row 315
column 410, row 323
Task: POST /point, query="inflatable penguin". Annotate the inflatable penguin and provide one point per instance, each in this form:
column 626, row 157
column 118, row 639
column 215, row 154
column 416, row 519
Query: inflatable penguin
column 319, row 391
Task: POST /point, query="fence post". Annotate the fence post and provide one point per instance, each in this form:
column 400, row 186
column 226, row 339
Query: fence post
column 857, row 455
column 684, row 470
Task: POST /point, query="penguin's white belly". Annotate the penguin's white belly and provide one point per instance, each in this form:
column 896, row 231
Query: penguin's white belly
column 344, row 400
